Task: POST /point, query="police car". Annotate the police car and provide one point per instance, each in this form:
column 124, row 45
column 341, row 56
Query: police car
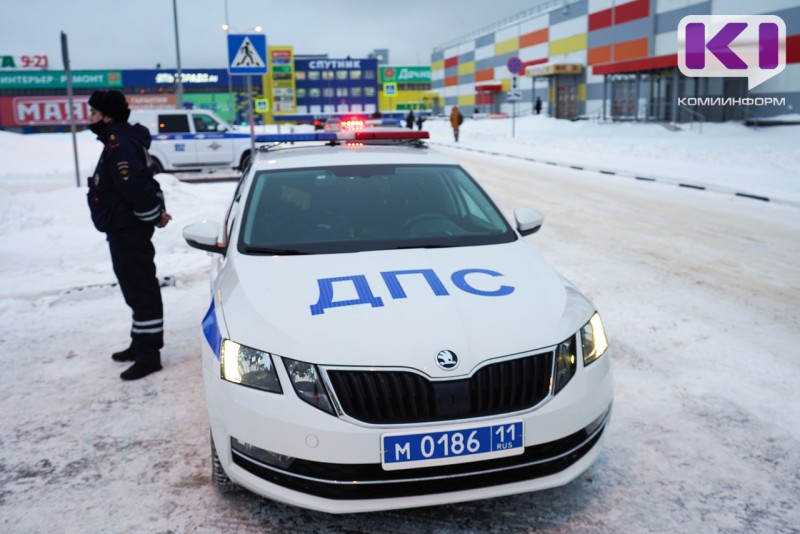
column 192, row 140
column 380, row 337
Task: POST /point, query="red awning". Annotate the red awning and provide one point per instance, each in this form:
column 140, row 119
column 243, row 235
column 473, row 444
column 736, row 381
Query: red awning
column 489, row 87
column 637, row 65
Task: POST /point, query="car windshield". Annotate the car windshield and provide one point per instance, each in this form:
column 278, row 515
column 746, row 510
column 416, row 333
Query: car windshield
column 368, row 207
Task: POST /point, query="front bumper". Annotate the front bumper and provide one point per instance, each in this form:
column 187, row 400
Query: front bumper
column 334, row 464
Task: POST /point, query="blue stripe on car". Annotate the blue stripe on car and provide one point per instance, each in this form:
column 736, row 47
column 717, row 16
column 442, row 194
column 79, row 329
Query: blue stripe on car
column 211, row 330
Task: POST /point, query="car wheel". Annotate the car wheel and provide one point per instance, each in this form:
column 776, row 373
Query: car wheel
column 219, row 478
column 157, row 167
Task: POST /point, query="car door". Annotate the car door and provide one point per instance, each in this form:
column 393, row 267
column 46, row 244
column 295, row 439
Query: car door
column 175, row 140
column 214, row 144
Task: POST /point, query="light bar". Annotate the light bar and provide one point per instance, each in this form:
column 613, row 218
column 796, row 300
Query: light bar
column 291, row 138
column 395, row 136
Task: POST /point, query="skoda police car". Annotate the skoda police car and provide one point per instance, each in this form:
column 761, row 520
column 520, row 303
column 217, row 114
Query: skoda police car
column 380, row 337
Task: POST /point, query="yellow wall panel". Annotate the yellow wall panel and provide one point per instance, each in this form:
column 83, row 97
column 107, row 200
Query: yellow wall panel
column 504, row 47
column 466, row 68
column 437, row 65
column 466, row 100
column 568, row 44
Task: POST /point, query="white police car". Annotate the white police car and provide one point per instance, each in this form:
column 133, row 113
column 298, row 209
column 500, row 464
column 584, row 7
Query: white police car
column 380, row 337
column 192, row 140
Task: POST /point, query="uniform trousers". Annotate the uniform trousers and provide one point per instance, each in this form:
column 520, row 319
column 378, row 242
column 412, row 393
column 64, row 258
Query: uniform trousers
column 133, row 258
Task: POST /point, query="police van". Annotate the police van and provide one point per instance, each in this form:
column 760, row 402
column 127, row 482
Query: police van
column 193, row 140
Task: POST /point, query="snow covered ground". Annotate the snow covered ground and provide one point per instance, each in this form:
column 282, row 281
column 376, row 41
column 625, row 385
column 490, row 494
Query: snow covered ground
column 699, row 290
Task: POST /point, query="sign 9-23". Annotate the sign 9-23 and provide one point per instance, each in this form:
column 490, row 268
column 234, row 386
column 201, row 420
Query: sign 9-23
column 23, row 62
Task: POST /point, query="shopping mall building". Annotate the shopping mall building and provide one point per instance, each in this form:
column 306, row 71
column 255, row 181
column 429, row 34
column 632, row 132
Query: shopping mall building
column 605, row 59
column 613, row 59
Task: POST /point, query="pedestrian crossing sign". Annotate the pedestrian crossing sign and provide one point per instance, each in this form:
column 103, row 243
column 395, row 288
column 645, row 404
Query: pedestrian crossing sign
column 247, row 54
column 390, row 89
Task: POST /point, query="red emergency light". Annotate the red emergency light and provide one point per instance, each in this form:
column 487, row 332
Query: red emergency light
column 397, row 136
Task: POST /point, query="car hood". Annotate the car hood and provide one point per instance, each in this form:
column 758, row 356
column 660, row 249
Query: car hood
column 400, row 308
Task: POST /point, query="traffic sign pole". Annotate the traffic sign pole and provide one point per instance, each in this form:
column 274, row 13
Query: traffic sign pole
column 514, row 65
column 247, row 55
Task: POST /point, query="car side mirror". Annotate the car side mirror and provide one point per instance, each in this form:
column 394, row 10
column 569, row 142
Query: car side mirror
column 221, row 128
column 528, row 220
column 203, row 236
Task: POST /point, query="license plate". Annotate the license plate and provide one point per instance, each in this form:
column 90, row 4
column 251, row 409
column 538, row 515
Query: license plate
column 452, row 446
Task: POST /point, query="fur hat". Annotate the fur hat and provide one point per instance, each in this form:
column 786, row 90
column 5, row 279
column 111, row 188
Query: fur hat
column 111, row 103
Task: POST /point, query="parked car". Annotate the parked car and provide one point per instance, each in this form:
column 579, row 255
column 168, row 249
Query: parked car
column 191, row 140
column 379, row 336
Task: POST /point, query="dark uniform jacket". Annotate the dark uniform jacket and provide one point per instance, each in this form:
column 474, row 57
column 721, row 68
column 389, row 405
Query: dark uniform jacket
column 123, row 194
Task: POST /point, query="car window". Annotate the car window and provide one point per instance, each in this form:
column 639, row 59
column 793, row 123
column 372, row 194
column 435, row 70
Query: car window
column 368, row 207
column 173, row 124
column 204, row 123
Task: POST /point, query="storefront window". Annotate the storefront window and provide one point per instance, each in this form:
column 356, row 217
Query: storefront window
column 301, row 93
column 355, row 74
column 327, row 75
column 327, row 92
column 313, row 75
column 355, row 91
column 369, row 74
column 300, row 75
column 341, row 74
column 314, row 92
column 369, row 91
column 341, row 91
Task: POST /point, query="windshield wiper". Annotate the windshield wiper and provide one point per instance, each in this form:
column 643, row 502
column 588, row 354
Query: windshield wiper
column 275, row 251
column 400, row 247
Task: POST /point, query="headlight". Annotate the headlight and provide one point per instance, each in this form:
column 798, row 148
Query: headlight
column 308, row 384
column 566, row 363
column 593, row 339
column 248, row 367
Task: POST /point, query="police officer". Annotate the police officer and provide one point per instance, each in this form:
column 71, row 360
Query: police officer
column 127, row 204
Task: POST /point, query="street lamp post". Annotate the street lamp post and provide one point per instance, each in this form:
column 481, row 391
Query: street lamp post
column 179, row 85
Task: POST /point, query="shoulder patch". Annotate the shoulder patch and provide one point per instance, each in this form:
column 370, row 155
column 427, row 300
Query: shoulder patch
column 113, row 141
column 123, row 169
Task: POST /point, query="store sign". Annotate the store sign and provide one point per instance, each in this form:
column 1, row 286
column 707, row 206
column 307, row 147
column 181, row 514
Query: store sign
column 554, row 69
column 332, row 64
column 151, row 101
column 169, row 78
column 42, row 110
column 406, row 74
column 58, row 79
column 23, row 62
column 282, row 81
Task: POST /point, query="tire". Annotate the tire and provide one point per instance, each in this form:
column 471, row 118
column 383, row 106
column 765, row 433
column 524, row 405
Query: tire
column 219, row 479
column 159, row 168
column 245, row 161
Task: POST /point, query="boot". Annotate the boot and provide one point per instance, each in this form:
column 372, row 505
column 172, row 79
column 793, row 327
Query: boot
column 142, row 368
column 124, row 356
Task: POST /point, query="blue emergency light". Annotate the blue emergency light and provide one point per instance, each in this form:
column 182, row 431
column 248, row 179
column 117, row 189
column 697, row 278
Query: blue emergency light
column 343, row 136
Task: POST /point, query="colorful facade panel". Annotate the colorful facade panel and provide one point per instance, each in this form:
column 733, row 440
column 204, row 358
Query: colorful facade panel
column 610, row 40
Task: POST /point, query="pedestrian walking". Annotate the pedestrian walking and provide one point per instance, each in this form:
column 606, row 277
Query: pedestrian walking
column 126, row 203
column 538, row 105
column 456, row 119
column 410, row 120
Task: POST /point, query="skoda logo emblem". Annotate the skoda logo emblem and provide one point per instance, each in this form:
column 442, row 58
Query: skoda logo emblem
column 447, row 360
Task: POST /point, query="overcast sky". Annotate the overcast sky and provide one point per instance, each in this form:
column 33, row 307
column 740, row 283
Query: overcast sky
column 140, row 34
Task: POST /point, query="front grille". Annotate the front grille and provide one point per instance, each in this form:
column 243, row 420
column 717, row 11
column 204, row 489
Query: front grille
column 398, row 397
column 370, row 481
